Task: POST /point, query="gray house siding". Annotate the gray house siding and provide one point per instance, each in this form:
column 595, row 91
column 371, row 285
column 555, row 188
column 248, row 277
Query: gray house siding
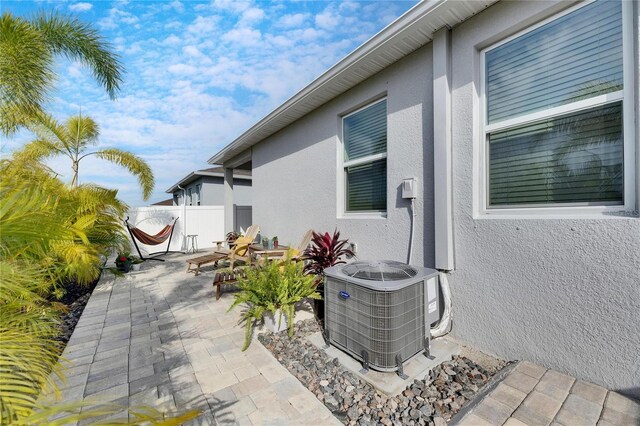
column 212, row 192
column 564, row 293
column 295, row 171
column 560, row 291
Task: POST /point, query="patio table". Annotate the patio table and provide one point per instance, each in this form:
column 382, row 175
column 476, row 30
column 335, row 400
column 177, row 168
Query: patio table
column 257, row 251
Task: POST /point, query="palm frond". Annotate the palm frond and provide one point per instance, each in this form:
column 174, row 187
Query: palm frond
column 26, row 71
column 79, row 41
column 82, row 130
column 134, row 164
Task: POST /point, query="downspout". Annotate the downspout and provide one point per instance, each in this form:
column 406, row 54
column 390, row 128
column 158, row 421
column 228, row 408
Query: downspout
column 184, row 217
column 442, row 171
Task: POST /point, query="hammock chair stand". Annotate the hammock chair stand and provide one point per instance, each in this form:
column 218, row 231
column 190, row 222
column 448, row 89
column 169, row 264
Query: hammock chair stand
column 159, row 238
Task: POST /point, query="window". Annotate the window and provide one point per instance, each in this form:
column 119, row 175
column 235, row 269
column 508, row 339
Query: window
column 365, row 159
column 190, row 196
column 198, row 195
column 554, row 103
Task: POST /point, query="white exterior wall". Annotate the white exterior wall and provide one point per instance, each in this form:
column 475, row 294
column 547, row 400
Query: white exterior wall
column 205, row 221
column 564, row 293
column 295, row 171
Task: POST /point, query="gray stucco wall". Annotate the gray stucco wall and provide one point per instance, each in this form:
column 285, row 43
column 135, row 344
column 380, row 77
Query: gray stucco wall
column 560, row 292
column 212, row 191
column 295, row 171
column 213, row 194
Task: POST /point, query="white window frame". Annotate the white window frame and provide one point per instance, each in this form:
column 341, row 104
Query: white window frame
column 190, row 196
column 342, row 171
column 578, row 210
column 198, row 189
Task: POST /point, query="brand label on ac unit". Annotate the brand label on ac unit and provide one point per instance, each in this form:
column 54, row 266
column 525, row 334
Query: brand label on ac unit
column 433, row 306
column 344, row 295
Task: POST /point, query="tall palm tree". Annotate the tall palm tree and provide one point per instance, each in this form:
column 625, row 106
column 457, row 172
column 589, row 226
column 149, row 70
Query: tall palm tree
column 72, row 139
column 28, row 48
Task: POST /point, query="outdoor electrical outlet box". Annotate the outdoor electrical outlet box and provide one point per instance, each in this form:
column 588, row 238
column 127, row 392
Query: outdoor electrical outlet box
column 409, row 188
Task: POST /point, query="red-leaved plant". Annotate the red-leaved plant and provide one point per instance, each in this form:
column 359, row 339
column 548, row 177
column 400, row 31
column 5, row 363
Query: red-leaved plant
column 325, row 251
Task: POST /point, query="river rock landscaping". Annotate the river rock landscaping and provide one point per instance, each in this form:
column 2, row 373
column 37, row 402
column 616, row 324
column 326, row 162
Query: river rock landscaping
column 433, row 400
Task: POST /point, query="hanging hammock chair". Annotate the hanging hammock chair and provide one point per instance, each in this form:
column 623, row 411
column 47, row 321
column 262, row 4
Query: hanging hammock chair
column 138, row 234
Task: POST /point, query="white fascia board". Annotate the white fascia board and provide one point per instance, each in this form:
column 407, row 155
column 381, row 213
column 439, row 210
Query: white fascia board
column 189, row 178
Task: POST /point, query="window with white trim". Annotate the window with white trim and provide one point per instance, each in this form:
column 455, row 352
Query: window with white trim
column 198, row 195
column 365, row 159
column 554, row 102
column 190, row 196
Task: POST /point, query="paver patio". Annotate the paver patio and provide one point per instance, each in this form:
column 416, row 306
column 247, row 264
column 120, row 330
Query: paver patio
column 535, row 396
column 158, row 337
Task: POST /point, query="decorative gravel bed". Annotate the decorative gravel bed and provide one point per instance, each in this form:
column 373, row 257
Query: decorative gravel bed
column 75, row 298
column 431, row 401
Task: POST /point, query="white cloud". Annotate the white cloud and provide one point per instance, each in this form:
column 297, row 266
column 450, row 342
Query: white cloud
column 80, row 7
column 177, row 6
column 116, row 17
column 172, row 40
column 182, row 69
column 293, row 20
column 231, row 5
column 74, row 71
column 192, row 51
column 251, row 16
column 243, row 36
column 326, row 20
column 202, row 25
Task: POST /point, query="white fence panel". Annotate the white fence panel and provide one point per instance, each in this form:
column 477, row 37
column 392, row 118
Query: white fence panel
column 207, row 222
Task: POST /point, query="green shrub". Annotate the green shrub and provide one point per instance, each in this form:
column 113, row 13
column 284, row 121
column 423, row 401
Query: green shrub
column 272, row 287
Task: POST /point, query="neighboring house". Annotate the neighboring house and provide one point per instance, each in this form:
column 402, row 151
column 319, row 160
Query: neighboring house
column 206, row 188
column 519, row 121
column 167, row 202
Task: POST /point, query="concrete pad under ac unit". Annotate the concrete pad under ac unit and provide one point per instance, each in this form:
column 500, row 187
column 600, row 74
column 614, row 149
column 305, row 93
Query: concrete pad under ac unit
column 390, row 383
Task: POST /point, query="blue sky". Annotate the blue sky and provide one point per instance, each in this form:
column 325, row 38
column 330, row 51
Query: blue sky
column 198, row 74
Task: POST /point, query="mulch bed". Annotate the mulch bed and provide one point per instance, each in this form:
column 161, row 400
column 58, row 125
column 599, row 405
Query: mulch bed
column 75, row 299
column 433, row 400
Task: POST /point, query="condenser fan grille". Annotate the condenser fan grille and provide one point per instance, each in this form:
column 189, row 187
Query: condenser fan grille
column 379, row 271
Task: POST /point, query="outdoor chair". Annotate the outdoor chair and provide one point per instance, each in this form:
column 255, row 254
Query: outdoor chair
column 231, row 275
column 252, row 233
column 238, row 252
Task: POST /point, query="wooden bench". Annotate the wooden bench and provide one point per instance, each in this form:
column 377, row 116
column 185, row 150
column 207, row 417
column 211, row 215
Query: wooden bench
column 226, row 277
column 203, row 260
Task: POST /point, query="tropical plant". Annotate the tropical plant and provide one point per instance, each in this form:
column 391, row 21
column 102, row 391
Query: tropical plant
column 325, row 251
column 51, row 233
column 72, row 139
column 273, row 288
column 28, row 49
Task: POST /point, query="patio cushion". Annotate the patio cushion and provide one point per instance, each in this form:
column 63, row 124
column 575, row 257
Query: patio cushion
column 242, row 245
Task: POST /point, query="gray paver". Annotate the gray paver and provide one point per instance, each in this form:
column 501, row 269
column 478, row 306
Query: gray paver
column 493, row 411
column 589, row 391
column 521, row 381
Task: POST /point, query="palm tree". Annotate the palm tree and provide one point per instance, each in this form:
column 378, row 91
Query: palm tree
column 28, row 48
column 72, row 139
